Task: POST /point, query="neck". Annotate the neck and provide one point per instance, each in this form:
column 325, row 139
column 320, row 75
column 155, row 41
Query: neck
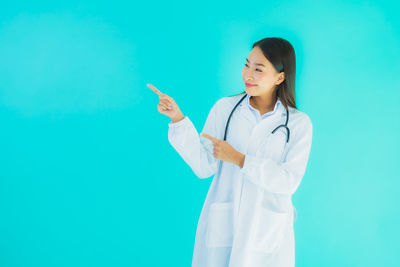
column 263, row 103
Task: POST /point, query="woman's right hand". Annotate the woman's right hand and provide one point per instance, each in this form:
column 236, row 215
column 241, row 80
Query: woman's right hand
column 167, row 105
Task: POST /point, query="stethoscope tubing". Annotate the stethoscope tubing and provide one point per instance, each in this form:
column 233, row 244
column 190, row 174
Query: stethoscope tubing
column 282, row 125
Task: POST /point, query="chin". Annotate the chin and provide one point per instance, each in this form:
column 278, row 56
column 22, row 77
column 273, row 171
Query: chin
column 249, row 91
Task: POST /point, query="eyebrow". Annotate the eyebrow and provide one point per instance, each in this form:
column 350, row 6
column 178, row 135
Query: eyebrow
column 258, row 64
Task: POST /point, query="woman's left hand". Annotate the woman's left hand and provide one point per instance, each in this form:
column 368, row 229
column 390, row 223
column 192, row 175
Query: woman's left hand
column 224, row 151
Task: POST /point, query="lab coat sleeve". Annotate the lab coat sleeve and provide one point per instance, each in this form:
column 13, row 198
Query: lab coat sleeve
column 198, row 154
column 284, row 177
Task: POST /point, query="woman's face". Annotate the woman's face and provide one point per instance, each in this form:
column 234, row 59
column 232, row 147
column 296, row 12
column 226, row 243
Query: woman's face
column 264, row 76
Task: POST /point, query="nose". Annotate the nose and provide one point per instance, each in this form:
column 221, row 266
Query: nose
column 248, row 78
column 248, row 75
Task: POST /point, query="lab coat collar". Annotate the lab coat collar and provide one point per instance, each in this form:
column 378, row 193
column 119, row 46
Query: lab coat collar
column 247, row 102
column 279, row 109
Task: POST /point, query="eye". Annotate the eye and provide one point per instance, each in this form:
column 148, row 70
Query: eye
column 256, row 69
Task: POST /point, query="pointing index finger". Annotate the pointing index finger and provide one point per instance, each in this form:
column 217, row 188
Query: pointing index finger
column 155, row 89
column 209, row 137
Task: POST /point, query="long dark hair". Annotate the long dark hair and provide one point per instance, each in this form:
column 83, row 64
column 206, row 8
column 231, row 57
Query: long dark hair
column 281, row 55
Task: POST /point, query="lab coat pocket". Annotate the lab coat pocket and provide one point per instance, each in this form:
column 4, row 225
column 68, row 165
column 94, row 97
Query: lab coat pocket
column 220, row 225
column 269, row 230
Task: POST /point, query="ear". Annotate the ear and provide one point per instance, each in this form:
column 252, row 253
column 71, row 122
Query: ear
column 281, row 78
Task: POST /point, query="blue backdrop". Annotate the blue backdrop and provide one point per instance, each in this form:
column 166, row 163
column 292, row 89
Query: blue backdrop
column 87, row 175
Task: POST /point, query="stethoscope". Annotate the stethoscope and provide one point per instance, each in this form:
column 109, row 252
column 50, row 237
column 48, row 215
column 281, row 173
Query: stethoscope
column 282, row 125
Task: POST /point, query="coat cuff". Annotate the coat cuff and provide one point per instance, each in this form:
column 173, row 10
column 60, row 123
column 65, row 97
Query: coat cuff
column 179, row 123
column 248, row 165
column 252, row 165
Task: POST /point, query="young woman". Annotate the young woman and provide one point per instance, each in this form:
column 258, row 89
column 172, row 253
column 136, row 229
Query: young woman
column 258, row 144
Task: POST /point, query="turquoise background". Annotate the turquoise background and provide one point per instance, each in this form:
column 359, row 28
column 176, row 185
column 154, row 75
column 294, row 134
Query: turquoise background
column 87, row 175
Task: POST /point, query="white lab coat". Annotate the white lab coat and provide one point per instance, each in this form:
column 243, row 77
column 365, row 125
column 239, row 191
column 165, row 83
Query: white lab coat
column 247, row 218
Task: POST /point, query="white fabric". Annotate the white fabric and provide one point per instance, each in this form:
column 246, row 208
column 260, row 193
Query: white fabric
column 247, row 217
